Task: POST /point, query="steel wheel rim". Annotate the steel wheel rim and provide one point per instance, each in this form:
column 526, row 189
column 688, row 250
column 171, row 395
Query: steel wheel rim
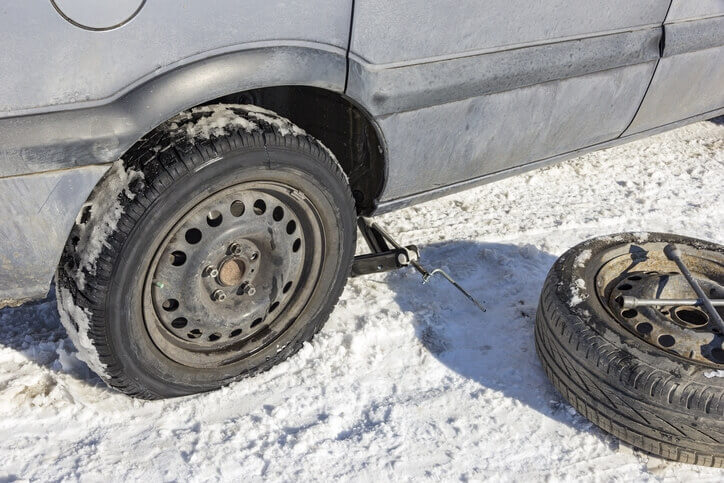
column 232, row 274
column 684, row 331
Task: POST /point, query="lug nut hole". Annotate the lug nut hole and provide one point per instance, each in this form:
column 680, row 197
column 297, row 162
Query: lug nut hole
column 259, row 207
column 193, row 236
column 666, row 340
column 178, row 258
column 214, row 218
column 278, row 213
column 237, row 208
column 170, row 305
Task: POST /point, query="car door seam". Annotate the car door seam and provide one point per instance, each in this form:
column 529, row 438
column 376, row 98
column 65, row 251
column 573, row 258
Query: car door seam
column 653, row 74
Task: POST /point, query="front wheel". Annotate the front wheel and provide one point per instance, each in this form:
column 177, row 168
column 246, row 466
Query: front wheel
column 213, row 252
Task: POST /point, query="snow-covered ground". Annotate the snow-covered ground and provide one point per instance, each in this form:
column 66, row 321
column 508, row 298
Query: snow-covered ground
column 405, row 381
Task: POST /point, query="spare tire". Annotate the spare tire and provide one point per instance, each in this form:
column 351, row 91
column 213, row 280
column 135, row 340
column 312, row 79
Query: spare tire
column 651, row 376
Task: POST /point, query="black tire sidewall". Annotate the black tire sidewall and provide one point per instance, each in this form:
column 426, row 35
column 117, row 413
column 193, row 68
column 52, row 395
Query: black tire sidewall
column 127, row 334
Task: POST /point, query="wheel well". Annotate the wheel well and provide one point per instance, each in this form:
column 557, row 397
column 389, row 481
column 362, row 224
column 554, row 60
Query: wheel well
column 338, row 123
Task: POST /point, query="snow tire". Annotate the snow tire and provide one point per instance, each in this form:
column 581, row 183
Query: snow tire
column 196, row 154
column 654, row 400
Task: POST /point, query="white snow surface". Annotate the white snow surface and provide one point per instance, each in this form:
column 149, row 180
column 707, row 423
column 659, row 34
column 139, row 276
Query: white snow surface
column 406, row 381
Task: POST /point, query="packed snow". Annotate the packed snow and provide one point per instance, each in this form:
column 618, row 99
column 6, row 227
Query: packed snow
column 218, row 119
column 76, row 321
column 103, row 212
column 406, row 381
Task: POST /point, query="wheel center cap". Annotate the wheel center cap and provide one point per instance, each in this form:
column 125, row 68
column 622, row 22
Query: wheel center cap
column 232, row 272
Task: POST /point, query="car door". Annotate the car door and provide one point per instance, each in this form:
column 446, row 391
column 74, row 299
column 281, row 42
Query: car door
column 463, row 89
column 689, row 80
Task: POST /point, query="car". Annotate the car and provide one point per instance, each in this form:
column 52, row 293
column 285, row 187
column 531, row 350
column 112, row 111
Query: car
column 191, row 174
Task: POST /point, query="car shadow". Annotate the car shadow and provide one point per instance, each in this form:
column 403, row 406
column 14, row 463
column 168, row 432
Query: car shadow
column 35, row 332
column 495, row 348
column 717, row 120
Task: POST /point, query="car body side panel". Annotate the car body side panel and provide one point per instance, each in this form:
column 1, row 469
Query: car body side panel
column 101, row 134
column 410, row 31
column 399, row 203
column 698, row 9
column 48, row 63
column 465, row 139
column 689, row 79
column 417, row 86
column 462, row 77
column 684, row 85
column 36, row 214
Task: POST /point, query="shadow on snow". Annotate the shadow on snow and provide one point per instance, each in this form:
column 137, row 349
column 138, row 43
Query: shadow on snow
column 495, row 348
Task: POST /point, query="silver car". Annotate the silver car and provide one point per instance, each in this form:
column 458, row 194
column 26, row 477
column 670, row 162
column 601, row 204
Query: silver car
column 192, row 173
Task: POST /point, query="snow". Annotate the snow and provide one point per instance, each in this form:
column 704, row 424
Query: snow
column 72, row 316
column 576, row 296
column 221, row 119
column 582, row 258
column 224, row 117
column 711, row 374
column 104, row 212
column 406, row 381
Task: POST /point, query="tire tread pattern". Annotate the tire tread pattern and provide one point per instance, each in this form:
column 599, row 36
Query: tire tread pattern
column 164, row 156
column 640, row 404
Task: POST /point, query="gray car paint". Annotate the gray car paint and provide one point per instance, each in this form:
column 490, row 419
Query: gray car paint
column 426, row 71
column 689, row 78
column 48, row 63
column 35, row 223
column 102, row 133
column 580, row 80
column 388, row 33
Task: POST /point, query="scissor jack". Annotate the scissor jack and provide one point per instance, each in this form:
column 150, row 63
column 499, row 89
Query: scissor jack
column 385, row 258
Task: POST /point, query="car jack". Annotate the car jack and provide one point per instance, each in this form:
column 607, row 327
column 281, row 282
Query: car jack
column 385, row 258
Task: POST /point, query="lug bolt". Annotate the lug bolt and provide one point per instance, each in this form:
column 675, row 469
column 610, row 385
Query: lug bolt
column 211, row 271
column 254, row 256
column 218, row 296
column 249, row 289
column 235, row 249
